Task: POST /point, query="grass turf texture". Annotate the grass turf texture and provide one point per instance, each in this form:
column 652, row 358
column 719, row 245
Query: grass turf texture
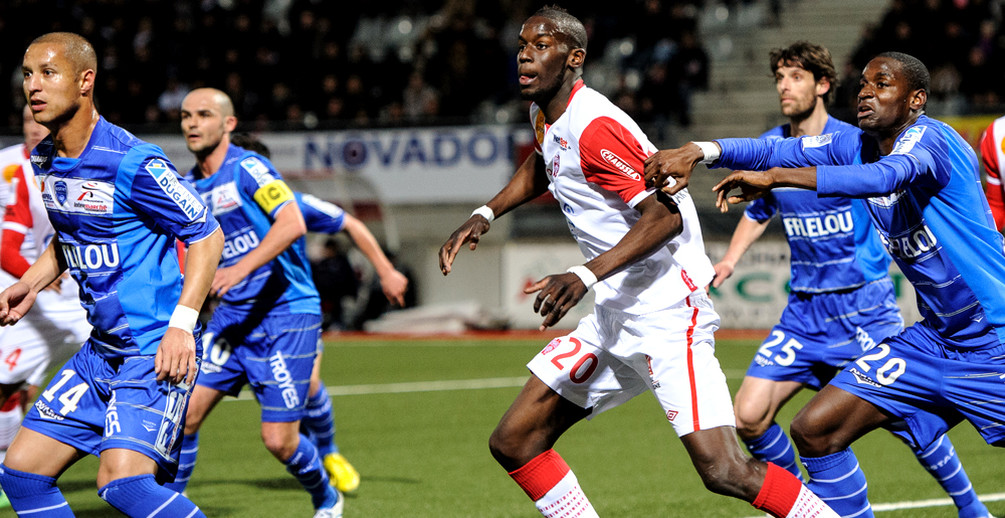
column 425, row 454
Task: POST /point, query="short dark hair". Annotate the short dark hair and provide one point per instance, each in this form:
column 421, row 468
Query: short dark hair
column 914, row 70
column 249, row 142
column 813, row 58
column 567, row 24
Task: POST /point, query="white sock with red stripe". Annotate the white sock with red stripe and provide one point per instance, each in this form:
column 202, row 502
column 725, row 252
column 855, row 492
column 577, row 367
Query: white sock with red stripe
column 553, row 487
column 782, row 495
column 10, row 422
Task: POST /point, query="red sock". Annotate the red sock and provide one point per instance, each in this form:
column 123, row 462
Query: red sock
column 779, row 492
column 542, row 473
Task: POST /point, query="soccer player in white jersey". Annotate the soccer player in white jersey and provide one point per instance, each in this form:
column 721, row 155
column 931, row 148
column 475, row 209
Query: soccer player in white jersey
column 842, row 299
column 993, row 158
column 58, row 325
column 652, row 325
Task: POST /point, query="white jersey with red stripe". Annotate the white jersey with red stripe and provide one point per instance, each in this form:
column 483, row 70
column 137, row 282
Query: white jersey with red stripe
column 993, row 158
column 594, row 155
column 25, row 213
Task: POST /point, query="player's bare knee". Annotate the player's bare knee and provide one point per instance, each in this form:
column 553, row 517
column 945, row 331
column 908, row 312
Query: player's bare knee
column 811, row 438
column 752, row 420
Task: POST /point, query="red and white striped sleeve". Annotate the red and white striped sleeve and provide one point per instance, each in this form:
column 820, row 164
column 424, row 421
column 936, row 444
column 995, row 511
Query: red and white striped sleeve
column 16, row 222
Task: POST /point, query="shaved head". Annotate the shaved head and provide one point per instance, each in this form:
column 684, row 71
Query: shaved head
column 567, row 24
column 77, row 50
column 218, row 97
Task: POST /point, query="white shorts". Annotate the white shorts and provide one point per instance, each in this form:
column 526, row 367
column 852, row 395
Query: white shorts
column 612, row 357
column 48, row 335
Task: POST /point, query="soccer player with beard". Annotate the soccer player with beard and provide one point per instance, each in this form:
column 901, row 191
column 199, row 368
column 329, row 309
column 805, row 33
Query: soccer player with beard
column 922, row 187
column 842, row 300
column 652, row 325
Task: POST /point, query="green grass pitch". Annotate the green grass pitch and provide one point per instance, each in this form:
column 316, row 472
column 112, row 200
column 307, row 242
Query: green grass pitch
column 423, row 453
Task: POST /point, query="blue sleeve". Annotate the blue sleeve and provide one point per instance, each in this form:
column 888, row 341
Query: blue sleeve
column 161, row 194
column 759, row 155
column 921, row 156
column 321, row 216
column 259, row 181
column 761, row 209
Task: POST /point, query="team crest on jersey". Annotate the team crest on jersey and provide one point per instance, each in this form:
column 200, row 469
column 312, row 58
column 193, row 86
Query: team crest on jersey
column 223, row 198
column 907, row 142
column 61, row 191
column 258, row 170
column 620, row 165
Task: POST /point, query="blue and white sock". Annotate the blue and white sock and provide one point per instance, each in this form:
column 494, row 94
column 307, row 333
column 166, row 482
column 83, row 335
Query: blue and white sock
column 186, row 463
column 141, row 496
column 319, row 422
column 774, row 446
column 839, row 481
column 941, row 461
column 33, row 495
column 305, row 465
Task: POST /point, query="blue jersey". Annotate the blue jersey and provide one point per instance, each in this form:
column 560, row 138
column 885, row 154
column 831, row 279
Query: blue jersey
column 117, row 211
column 245, row 194
column 320, row 216
column 926, row 201
column 833, row 244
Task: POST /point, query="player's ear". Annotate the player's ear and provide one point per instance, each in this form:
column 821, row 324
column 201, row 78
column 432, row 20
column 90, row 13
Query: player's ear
column 86, row 79
column 918, row 99
column 823, row 86
column 576, row 58
column 230, row 123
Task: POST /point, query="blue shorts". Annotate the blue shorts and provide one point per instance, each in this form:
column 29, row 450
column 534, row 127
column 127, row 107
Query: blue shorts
column 274, row 354
column 95, row 404
column 916, row 377
column 818, row 334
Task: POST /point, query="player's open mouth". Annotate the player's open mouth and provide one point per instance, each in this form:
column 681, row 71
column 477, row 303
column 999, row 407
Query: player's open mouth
column 527, row 79
column 864, row 111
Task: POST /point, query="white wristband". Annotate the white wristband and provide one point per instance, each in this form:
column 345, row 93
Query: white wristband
column 584, row 274
column 485, row 212
column 711, row 151
column 184, row 318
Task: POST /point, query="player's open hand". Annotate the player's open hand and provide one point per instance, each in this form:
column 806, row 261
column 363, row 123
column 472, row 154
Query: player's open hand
column 752, row 185
column 15, row 302
column 469, row 233
column 558, row 294
column 676, row 164
column 175, row 359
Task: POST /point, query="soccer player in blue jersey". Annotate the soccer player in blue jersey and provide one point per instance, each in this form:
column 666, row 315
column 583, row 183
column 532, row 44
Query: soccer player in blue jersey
column 921, row 185
column 117, row 206
column 267, row 326
column 842, row 300
column 327, row 218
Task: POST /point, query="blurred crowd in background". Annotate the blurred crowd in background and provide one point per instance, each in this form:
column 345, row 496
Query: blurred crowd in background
column 293, row 64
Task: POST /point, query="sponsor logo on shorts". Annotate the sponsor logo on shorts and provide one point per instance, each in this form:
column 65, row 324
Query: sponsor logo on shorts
column 763, row 361
column 863, row 339
column 863, row 379
column 551, row 346
column 671, row 415
column 652, row 376
column 281, row 373
column 46, row 412
column 112, row 425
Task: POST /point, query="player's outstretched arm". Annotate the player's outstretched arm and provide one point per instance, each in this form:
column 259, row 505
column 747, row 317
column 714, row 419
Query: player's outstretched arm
column 754, row 184
column 747, row 231
column 175, row 359
column 16, row 300
column 527, row 183
column 659, row 222
column 392, row 282
column 287, row 227
column 674, row 163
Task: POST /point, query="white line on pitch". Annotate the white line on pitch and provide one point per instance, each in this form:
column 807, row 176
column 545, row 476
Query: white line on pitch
column 411, row 387
column 916, row 504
